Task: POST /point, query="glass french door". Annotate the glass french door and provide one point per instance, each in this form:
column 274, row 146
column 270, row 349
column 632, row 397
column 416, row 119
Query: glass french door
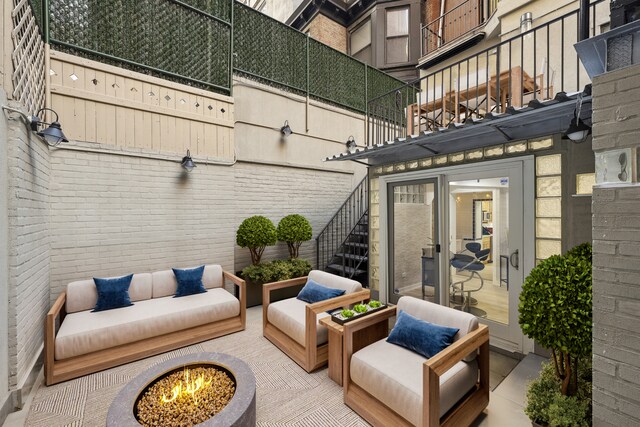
column 414, row 260
column 485, row 241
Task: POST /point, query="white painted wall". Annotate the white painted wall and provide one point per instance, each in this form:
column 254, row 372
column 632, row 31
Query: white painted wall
column 4, row 254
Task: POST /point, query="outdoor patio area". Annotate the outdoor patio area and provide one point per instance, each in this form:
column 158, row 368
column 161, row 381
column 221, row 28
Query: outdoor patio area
column 286, row 394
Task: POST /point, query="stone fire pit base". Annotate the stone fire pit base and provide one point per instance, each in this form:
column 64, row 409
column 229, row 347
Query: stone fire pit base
column 241, row 410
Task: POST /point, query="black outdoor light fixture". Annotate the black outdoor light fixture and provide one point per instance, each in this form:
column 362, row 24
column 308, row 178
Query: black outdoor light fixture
column 351, row 144
column 286, row 130
column 187, row 162
column 50, row 132
column 578, row 130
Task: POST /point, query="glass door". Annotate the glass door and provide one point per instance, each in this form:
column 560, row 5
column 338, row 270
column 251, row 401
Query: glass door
column 485, row 235
column 414, row 247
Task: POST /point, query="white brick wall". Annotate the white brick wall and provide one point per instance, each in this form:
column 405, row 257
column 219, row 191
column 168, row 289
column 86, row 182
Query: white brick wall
column 616, row 258
column 113, row 215
column 28, row 209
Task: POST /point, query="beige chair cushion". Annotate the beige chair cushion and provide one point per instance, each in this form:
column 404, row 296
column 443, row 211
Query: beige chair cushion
column 289, row 316
column 82, row 295
column 85, row 332
column 393, row 375
column 335, row 282
column 440, row 315
column 165, row 284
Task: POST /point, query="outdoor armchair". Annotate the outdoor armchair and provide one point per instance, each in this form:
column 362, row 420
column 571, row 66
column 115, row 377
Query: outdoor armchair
column 292, row 324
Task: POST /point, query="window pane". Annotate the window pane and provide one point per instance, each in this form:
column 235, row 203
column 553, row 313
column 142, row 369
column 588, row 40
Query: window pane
column 364, row 55
column 397, row 50
column 361, row 37
column 397, row 22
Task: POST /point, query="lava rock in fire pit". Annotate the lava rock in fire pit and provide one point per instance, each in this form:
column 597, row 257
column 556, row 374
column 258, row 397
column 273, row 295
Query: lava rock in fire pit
column 159, row 391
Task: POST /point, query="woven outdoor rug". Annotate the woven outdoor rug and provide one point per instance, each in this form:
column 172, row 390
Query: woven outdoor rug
column 286, row 395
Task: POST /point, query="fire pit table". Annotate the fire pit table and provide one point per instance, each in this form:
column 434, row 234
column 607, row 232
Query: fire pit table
column 195, row 383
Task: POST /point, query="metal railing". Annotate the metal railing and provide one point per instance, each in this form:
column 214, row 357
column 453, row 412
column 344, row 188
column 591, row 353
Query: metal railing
column 342, row 224
column 204, row 42
column 451, row 25
column 530, row 66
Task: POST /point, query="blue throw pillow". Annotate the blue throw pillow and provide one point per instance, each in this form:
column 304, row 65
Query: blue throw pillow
column 112, row 293
column 422, row 337
column 189, row 281
column 313, row 292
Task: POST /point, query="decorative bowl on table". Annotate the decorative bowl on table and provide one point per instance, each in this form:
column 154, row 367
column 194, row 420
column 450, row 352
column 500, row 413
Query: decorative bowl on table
column 343, row 316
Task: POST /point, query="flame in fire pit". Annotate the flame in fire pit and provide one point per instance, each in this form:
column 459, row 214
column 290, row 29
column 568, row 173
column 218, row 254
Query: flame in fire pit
column 188, row 387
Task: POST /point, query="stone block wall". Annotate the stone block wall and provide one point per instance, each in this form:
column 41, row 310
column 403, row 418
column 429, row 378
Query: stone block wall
column 616, row 257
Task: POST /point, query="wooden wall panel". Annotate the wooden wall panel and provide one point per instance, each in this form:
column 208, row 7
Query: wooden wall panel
column 107, row 105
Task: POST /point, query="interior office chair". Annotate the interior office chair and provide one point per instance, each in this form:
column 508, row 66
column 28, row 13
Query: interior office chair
column 473, row 264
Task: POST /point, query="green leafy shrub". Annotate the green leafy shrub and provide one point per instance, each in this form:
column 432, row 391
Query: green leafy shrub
column 277, row 270
column 555, row 310
column 374, row 303
column 256, row 233
column 360, row 308
column 546, row 405
column 294, row 229
column 346, row 313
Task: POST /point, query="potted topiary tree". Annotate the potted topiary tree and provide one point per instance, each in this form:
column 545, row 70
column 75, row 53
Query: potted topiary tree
column 256, row 233
column 294, row 229
column 555, row 310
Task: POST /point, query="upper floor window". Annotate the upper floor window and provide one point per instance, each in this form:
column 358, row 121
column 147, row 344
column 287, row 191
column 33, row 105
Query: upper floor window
column 397, row 35
column 361, row 42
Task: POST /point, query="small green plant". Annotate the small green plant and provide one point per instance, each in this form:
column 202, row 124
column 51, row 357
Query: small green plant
column 374, row 303
column 256, row 233
column 555, row 310
column 360, row 308
column 346, row 313
column 276, row 271
column 294, row 229
column 547, row 406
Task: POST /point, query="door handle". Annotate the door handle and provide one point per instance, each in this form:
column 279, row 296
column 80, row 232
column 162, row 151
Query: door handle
column 515, row 264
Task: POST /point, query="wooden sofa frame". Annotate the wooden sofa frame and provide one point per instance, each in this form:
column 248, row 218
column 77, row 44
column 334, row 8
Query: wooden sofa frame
column 463, row 413
column 62, row 370
column 312, row 356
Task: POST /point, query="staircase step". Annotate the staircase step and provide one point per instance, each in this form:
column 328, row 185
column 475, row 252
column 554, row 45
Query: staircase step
column 350, row 270
column 360, row 233
column 357, row 244
column 361, row 258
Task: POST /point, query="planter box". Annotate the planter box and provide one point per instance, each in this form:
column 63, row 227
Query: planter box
column 339, row 319
column 254, row 293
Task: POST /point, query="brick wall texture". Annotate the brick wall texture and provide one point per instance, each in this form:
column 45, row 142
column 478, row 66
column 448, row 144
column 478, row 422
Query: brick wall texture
column 28, row 211
column 616, row 258
column 328, row 32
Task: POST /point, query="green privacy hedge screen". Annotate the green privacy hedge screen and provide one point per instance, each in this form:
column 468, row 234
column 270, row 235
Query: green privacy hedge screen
column 191, row 41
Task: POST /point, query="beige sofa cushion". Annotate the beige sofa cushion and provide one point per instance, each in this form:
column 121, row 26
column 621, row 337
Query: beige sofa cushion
column 82, row 295
column 335, row 282
column 165, row 284
column 85, row 332
column 289, row 316
column 393, row 375
column 440, row 315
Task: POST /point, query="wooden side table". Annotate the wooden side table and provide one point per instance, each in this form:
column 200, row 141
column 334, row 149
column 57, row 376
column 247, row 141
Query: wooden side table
column 363, row 338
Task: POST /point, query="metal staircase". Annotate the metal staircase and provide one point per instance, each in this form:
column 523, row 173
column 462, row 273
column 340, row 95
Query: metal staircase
column 343, row 245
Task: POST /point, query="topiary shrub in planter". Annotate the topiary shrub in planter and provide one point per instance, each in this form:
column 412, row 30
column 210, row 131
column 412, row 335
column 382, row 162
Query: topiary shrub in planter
column 274, row 271
column 555, row 310
column 256, row 233
column 294, row 229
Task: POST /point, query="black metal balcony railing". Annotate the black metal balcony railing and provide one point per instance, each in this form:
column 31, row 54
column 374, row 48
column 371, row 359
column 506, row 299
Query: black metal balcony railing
column 533, row 65
column 452, row 25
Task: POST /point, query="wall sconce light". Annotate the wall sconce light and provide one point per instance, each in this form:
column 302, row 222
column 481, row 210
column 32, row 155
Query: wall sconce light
column 286, row 130
column 52, row 134
column 187, row 162
column 352, row 146
column 578, row 130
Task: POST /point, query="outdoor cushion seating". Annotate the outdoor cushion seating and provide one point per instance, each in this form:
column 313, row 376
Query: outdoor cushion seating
column 390, row 385
column 89, row 341
column 292, row 325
